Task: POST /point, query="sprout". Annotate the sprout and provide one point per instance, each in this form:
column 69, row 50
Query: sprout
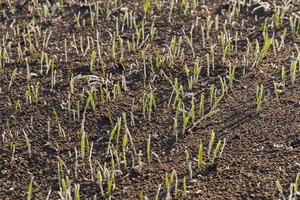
column 147, row 6
column 124, row 150
column 201, row 105
column 283, row 75
column 149, row 103
column 61, row 5
column 29, row 192
column 82, row 145
column 157, row 193
column 141, row 196
column 18, row 104
column 100, row 182
column 27, row 143
column 27, row 70
column 216, row 151
column 93, row 58
column 184, row 185
column 293, row 69
column 77, row 192
column 149, row 149
column 77, row 19
column 110, row 186
column 171, row 9
column 231, row 75
column 276, row 90
column 259, row 97
column 90, row 101
column 277, row 17
column 294, row 187
column 13, row 75
column 267, row 44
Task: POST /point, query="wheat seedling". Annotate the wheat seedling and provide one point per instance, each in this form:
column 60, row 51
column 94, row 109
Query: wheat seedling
column 259, row 97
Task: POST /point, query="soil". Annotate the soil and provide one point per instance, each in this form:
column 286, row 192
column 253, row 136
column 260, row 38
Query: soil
column 261, row 147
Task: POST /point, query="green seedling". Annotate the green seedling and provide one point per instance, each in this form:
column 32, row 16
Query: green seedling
column 293, row 192
column 201, row 105
column 157, row 192
column 13, row 150
column 152, row 29
column 147, row 7
column 29, row 192
column 176, row 184
column 82, row 145
column 141, row 196
column 60, row 129
column 27, row 143
column 66, row 49
column 149, row 103
column 277, row 18
column 112, row 135
column 100, row 182
column 36, row 91
column 192, row 113
column 184, row 185
column 209, row 23
column 231, row 75
column 185, row 6
column 20, row 53
column 212, row 56
column 93, row 58
column 283, row 76
column 213, row 97
column 276, row 91
column 224, row 87
column 190, row 82
column 53, row 75
column 119, row 124
column 259, row 97
column 158, row 4
column 208, row 64
column 267, row 44
column 197, row 69
column 149, row 149
column 30, row 42
column 116, row 158
column 77, row 192
column 293, row 70
column 77, row 19
column 171, row 10
column 110, row 186
column 167, row 182
column 114, row 48
column 217, row 152
column 187, row 156
column 28, row 74
column 18, row 104
column 279, row 187
column 12, row 78
column 216, row 22
column 186, row 119
column 61, row 6
column 90, row 101
column 124, row 150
